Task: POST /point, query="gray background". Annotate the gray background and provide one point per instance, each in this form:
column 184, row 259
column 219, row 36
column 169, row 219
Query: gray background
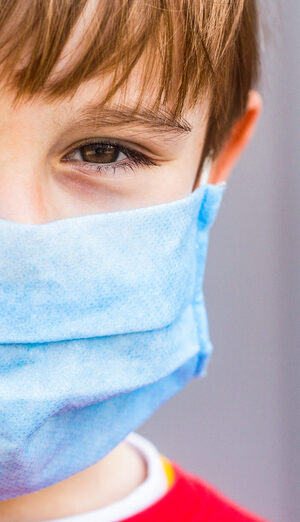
column 239, row 427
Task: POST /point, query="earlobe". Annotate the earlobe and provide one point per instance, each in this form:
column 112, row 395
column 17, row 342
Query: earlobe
column 239, row 138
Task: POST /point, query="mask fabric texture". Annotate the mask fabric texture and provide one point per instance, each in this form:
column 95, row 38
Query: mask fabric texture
column 102, row 320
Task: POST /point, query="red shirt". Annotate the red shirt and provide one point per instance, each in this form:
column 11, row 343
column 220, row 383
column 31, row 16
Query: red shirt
column 190, row 499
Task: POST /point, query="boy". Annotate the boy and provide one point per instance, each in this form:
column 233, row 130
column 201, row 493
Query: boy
column 120, row 124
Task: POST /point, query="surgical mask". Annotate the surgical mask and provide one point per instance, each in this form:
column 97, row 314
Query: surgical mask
column 103, row 319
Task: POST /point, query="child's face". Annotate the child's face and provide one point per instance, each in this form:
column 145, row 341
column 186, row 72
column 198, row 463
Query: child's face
column 38, row 184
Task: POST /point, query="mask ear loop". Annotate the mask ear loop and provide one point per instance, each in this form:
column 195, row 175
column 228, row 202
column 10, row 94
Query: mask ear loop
column 205, row 171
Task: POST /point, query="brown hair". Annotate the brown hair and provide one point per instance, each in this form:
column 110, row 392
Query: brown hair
column 217, row 40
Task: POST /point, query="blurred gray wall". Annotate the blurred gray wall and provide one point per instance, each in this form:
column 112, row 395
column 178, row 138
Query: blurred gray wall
column 239, row 427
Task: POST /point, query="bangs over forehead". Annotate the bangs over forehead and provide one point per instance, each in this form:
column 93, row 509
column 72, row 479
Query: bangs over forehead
column 185, row 48
column 115, row 37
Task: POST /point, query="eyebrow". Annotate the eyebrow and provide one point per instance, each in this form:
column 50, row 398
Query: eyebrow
column 160, row 121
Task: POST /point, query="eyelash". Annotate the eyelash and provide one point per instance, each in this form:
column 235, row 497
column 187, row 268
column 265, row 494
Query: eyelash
column 136, row 158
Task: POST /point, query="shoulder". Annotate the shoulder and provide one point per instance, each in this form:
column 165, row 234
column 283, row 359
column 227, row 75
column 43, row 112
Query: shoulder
column 207, row 502
column 191, row 499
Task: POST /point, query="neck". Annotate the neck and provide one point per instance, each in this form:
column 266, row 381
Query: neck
column 108, row 481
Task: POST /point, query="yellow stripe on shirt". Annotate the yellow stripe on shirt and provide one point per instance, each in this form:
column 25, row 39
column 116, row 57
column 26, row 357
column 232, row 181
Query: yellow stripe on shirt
column 168, row 470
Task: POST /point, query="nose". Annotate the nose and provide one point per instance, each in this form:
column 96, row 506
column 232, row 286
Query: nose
column 22, row 194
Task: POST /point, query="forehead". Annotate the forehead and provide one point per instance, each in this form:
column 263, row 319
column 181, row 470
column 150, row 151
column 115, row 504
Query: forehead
column 78, row 38
column 143, row 77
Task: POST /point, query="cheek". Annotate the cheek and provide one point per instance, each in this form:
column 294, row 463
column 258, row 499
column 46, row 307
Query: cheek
column 185, row 168
column 75, row 195
column 150, row 186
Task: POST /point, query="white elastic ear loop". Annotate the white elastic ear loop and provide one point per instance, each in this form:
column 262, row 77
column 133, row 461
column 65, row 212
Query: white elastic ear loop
column 205, row 171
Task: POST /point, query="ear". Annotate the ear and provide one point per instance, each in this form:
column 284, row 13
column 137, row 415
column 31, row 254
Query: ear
column 239, row 137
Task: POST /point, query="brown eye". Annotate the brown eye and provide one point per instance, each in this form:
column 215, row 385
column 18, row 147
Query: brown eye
column 100, row 153
column 106, row 157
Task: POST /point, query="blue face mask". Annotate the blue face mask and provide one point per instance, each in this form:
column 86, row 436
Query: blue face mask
column 102, row 320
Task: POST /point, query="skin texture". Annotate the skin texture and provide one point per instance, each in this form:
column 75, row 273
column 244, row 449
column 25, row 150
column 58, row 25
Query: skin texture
column 36, row 186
